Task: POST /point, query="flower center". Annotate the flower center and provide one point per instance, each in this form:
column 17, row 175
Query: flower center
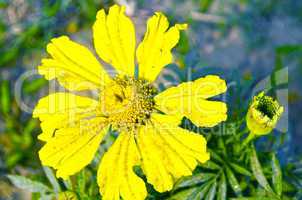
column 267, row 106
column 127, row 102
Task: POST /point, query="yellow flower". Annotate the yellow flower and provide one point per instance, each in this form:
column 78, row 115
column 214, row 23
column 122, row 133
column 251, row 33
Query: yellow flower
column 263, row 114
column 148, row 123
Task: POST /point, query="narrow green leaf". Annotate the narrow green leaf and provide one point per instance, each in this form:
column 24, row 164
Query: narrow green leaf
column 81, row 182
column 35, row 85
column 51, row 9
column 13, row 159
column 215, row 156
column 258, row 172
column 183, row 194
column 27, row 135
column 222, row 188
column 277, row 175
column 211, row 165
column 251, row 198
column 221, row 146
column 288, row 187
column 52, row 179
column 240, row 169
column 5, row 97
column 193, row 180
column 200, row 192
column 27, row 184
column 183, row 45
column 233, row 182
column 68, row 184
column 212, row 192
column 205, row 5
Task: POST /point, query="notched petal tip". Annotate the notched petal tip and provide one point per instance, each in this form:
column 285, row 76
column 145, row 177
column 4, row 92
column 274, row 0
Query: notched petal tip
column 100, row 15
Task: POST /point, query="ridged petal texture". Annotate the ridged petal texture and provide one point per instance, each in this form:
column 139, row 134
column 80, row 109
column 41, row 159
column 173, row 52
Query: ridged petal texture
column 189, row 99
column 116, row 176
column 73, row 65
column 114, row 39
column 165, row 152
column 169, row 152
column 154, row 52
column 71, row 130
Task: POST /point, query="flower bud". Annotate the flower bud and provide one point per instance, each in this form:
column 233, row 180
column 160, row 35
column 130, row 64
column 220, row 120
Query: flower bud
column 263, row 114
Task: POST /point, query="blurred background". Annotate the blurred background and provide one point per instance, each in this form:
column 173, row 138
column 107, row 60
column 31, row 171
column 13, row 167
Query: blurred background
column 253, row 44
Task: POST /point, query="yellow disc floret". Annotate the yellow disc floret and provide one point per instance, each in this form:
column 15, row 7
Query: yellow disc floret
column 127, row 102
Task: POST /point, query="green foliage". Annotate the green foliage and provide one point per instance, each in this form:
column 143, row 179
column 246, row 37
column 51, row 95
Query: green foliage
column 18, row 139
column 27, row 184
column 233, row 174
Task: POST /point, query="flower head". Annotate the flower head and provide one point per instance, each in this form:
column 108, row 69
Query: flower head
column 147, row 121
column 127, row 102
column 263, row 114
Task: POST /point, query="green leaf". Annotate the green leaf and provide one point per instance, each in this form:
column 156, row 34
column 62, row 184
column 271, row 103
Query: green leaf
column 287, row 49
column 13, row 158
column 240, row 169
column 277, row 175
column 68, row 184
column 215, row 156
column 27, row 184
column 183, row 45
column 200, row 192
column 251, row 198
column 211, row 165
column 81, row 182
column 183, row 194
column 222, row 188
column 287, row 187
column 258, row 172
column 9, row 55
column 5, row 97
column 193, row 180
column 212, row 192
column 205, row 5
column 221, row 146
column 233, row 182
column 34, row 86
column 52, row 179
column 51, row 9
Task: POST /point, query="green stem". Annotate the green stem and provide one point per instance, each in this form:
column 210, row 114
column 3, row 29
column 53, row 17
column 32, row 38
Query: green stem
column 247, row 140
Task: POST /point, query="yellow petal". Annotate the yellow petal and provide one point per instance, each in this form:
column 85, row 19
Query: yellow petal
column 72, row 148
column 154, row 52
column 73, row 65
column 188, row 99
column 168, row 151
column 59, row 110
column 114, row 39
column 116, row 177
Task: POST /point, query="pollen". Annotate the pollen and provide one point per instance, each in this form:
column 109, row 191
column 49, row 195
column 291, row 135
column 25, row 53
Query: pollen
column 127, row 102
